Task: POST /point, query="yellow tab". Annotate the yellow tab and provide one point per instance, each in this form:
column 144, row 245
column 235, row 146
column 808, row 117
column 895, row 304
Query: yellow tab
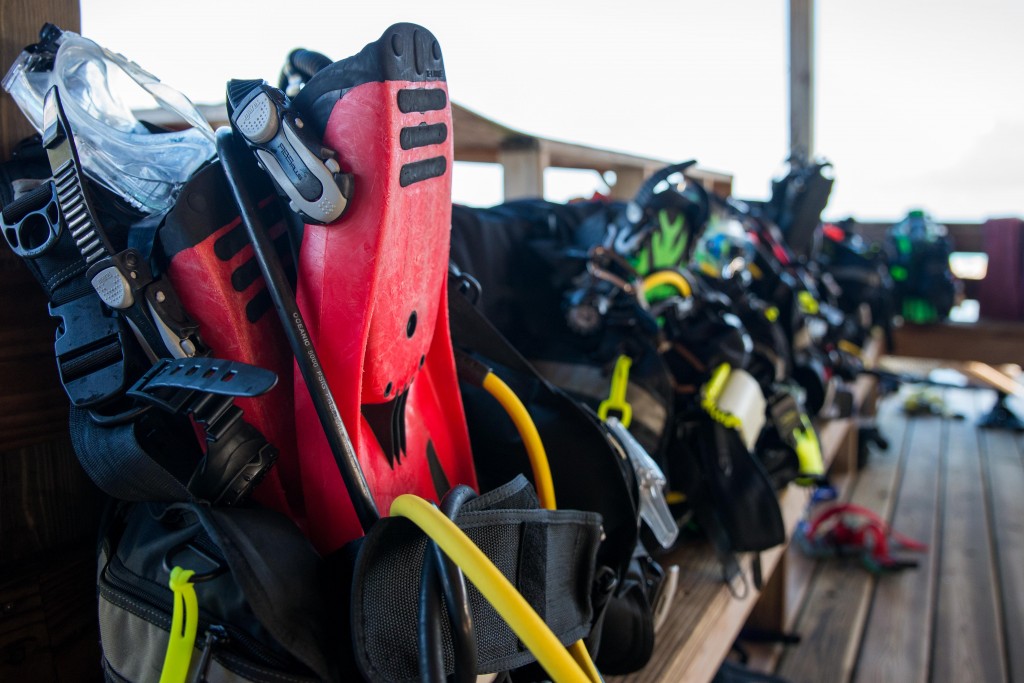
column 808, row 452
column 755, row 271
column 675, row 497
column 617, row 394
column 772, row 313
column 712, row 392
column 850, row 348
column 808, row 304
column 184, row 624
column 708, row 269
column 667, row 277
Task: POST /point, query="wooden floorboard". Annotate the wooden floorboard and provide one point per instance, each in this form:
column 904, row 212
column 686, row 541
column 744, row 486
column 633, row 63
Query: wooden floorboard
column 968, row 643
column 1004, row 476
column 706, row 617
column 897, row 636
column 960, row 615
column 837, row 603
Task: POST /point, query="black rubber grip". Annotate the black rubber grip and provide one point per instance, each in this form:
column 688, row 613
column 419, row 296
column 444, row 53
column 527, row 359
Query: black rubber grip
column 421, row 100
column 423, row 135
column 422, row 170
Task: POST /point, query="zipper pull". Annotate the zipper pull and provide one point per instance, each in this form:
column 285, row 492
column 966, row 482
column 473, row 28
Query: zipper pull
column 184, row 622
column 215, row 635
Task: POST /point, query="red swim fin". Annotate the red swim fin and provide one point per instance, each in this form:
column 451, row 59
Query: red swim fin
column 211, row 266
column 372, row 286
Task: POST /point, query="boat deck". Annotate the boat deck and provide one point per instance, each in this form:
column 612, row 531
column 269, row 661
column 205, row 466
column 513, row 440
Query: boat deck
column 959, row 616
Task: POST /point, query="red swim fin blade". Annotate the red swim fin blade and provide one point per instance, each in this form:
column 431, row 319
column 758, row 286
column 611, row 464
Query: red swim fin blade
column 372, row 286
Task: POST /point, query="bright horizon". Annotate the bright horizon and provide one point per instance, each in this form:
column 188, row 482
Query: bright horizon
column 918, row 104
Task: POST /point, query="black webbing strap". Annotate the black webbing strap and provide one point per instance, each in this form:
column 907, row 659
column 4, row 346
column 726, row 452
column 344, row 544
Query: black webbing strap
column 473, row 331
column 548, row 555
column 114, row 460
column 587, row 470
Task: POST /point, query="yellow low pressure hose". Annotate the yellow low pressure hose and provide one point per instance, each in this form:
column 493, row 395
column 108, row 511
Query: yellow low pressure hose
column 579, row 653
column 530, row 436
column 668, row 277
column 527, row 429
column 493, row 585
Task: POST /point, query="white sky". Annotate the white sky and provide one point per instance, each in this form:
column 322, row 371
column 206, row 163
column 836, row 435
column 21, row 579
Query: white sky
column 919, row 102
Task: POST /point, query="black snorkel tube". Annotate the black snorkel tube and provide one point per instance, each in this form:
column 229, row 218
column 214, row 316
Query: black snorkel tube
column 234, row 155
column 300, row 65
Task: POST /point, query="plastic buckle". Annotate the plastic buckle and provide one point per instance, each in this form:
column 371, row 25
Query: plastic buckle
column 90, row 350
column 38, row 227
column 171, row 382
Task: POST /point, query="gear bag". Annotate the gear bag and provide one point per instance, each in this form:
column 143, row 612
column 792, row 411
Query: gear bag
column 257, row 581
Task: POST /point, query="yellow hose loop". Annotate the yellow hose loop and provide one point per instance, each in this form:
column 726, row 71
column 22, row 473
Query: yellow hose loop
column 578, row 650
column 668, row 277
column 541, row 475
column 528, row 433
column 493, row 585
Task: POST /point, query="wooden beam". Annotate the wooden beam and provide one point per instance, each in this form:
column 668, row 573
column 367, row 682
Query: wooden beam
column 898, row 634
column 480, row 139
column 968, row 639
column 988, row 341
column 801, row 77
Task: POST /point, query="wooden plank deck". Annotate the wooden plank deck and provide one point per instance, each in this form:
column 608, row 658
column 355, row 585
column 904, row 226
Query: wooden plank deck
column 707, row 617
column 840, row 591
column 1003, row 464
column 960, row 615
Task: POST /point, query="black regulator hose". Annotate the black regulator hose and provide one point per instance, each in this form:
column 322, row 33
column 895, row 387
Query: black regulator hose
column 234, row 155
column 301, row 65
column 437, row 568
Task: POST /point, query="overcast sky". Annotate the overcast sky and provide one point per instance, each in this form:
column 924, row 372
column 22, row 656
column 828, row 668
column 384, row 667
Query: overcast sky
column 919, row 103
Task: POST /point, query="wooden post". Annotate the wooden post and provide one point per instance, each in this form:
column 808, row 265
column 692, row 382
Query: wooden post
column 627, row 181
column 49, row 510
column 801, row 77
column 20, row 21
column 523, row 160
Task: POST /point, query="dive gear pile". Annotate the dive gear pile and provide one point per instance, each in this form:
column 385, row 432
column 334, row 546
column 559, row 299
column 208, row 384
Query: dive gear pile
column 249, row 542
column 918, row 249
column 848, row 529
column 335, row 412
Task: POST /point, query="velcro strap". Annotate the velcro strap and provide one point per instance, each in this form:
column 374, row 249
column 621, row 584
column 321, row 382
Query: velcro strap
column 548, row 555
